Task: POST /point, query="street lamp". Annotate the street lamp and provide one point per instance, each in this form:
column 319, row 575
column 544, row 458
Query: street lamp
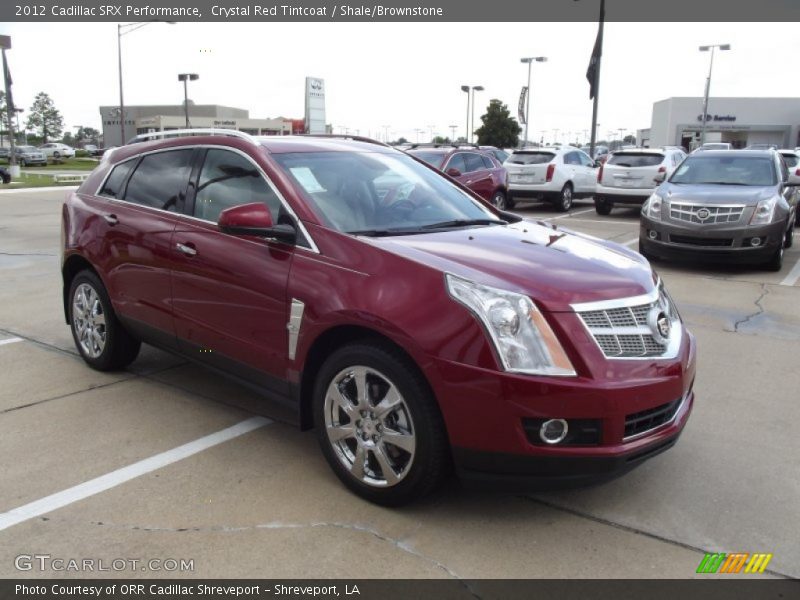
column 708, row 85
column 465, row 88
column 124, row 29
column 529, row 61
column 475, row 88
column 185, row 78
column 18, row 111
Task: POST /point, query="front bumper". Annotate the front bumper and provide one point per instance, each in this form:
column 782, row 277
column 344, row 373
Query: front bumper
column 485, row 413
column 727, row 243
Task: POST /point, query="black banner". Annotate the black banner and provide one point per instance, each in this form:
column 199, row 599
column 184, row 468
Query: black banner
column 394, row 589
column 495, row 11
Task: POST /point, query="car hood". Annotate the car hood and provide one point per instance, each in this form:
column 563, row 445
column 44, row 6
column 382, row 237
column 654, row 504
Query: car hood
column 554, row 266
column 715, row 194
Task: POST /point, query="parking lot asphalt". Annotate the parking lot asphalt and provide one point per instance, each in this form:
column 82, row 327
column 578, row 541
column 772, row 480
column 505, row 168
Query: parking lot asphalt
column 168, row 461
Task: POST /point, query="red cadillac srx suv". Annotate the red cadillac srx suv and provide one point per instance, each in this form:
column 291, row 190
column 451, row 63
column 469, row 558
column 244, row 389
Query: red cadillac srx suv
column 414, row 326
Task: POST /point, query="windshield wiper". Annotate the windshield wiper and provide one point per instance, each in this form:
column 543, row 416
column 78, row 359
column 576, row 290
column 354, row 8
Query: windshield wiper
column 723, row 183
column 464, row 223
column 383, row 232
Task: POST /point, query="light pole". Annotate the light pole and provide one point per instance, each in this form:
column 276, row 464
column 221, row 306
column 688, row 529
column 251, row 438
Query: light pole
column 431, row 127
column 465, row 88
column 475, row 88
column 5, row 44
column 708, row 85
column 453, row 132
column 25, row 136
column 529, row 60
column 186, row 78
column 124, row 29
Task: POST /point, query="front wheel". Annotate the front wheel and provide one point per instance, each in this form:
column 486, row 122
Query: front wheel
column 378, row 424
column 564, row 202
column 775, row 263
column 100, row 338
column 789, row 239
column 499, row 200
column 22, row 162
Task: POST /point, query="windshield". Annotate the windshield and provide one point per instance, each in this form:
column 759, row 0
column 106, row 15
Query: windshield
column 726, row 170
column 530, row 158
column 435, row 159
column 27, row 149
column 380, row 194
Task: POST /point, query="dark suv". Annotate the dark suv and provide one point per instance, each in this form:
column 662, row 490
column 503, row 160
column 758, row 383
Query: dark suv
column 414, row 326
column 477, row 169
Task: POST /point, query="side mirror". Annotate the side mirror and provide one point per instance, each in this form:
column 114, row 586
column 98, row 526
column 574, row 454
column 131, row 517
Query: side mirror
column 597, row 164
column 254, row 219
column 660, row 177
column 453, row 172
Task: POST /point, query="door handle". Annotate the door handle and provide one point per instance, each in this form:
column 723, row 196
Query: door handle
column 186, row 249
column 111, row 219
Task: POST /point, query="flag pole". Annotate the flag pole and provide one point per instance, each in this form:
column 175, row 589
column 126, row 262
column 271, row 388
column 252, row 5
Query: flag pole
column 595, row 85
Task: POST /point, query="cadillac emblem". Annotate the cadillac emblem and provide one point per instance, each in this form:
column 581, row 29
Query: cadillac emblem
column 703, row 214
column 660, row 325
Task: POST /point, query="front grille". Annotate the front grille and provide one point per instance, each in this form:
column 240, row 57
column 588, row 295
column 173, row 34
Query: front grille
column 710, row 213
column 652, row 418
column 698, row 241
column 622, row 328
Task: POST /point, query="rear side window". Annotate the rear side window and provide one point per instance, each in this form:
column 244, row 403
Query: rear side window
column 487, row 162
column 474, row 162
column 572, row 158
column 632, row 159
column 531, row 158
column 160, row 180
column 228, row 179
column 790, row 159
column 112, row 188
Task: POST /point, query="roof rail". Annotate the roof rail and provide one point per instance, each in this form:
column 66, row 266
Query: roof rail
column 343, row 136
column 413, row 145
column 191, row 132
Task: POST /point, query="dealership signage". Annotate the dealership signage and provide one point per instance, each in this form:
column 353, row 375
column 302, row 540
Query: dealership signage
column 716, row 118
column 315, row 105
column 225, row 123
column 521, row 112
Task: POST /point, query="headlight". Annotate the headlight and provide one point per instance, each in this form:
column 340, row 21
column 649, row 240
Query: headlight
column 520, row 334
column 765, row 210
column 652, row 208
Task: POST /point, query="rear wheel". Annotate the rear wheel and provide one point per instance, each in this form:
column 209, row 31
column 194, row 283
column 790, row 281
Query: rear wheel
column 499, row 200
column 603, row 206
column 564, row 202
column 378, row 424
column 100, row 338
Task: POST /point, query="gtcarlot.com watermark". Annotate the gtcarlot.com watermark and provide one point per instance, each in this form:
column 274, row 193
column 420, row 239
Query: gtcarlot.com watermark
column 49, row 563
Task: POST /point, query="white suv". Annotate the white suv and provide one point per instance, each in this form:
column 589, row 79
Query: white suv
column 628, row 176
column 555, row 174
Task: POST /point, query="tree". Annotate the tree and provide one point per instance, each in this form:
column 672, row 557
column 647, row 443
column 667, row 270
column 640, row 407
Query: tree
column 629, row 139
column 441, row 140
column 498, row 128
column 398, row 141
column 44, row 118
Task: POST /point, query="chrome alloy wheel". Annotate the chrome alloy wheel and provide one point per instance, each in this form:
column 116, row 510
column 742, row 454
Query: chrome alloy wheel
column 89, row 320
column 369, row 426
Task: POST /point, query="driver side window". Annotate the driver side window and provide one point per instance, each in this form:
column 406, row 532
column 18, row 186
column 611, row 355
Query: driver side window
column 229, row 179
column 456, row 162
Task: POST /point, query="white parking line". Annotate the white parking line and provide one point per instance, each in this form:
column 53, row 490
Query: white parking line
column 120, row 476
column 793, row 275
column 568, row 215
column 11, row 341
column 631, row 242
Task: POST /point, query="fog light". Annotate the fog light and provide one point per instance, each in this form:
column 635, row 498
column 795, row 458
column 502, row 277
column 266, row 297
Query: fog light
column 553, row 431
column 653, row 235
column 756, row 241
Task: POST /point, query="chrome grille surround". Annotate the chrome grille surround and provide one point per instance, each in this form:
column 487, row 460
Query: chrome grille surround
column 622, row 329
column 717, row 213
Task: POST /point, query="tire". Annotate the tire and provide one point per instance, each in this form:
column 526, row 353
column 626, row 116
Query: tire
column 22, row 162
column 789, row 238
column 564, row 201
column 499, row 200
column 90, row 312
column 56, row 155
column 390, row 475
column 775, row 263
column 603, row 206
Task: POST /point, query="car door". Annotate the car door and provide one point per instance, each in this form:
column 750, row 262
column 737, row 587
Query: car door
column 589, row 174
column 137, row 210
column 229, row 291
column 479, row 178
column 456, row 161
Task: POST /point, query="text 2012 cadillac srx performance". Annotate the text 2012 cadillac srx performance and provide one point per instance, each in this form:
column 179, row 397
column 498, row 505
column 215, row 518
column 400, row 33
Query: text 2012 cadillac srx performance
column 415, row 327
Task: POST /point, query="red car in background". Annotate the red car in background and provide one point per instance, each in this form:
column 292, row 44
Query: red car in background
column 477, row 169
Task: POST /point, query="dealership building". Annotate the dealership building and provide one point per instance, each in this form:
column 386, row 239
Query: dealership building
column 149, row 119
column 740, row 121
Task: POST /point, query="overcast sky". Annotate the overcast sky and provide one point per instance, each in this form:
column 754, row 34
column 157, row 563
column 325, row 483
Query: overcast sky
column 403, row 75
